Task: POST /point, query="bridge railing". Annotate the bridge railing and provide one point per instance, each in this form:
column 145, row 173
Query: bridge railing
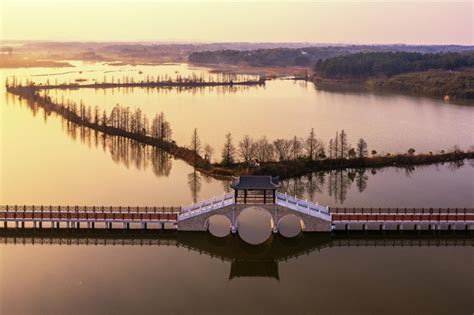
column 89, row 209
column 353, row 211
column 303, row 206
column 207, row 205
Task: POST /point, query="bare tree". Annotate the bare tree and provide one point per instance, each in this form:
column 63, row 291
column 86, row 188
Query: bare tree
column 228, row 152
column 195, row 142
column 282, row 149
column 343, row 145
column 247, row 149
column 361, row 148
column 96, row 115
column 296, row 147
column 208, row 152
column 310, row 146
column 160, row 128
column 264, row 150
column 104, row 119
column 331, row 149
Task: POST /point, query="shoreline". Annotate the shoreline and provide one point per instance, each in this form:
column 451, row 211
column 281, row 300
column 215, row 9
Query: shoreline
column 284, row 169
column 394, row 85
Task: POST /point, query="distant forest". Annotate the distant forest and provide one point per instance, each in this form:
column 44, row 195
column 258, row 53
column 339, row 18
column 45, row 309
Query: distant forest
column 387, row 64
column 308, row 56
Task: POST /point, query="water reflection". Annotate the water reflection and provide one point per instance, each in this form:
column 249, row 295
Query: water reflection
column 127, row 152
column 245, row 260
column 338, row 183
column 194, row 182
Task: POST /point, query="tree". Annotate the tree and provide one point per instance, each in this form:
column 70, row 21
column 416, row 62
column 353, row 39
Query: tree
column 361, row 148
column 160, row 128
column 411, row 151
column 331, row 149
column 343, row 145
column 208, row 152
column 104, row 119
column 282, row 149
column 310, row 145
column 96, row 115
column 314, row 148
column 195, row 142
column 228, row 152
column 352, row 153
column 374, row 153
column 264, row 150
column 296, row 147
column 247, row 149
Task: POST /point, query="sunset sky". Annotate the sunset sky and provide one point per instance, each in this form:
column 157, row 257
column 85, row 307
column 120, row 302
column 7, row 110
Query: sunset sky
column 411, row 22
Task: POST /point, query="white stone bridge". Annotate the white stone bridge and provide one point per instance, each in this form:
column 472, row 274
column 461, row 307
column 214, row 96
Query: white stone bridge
column 255, row 192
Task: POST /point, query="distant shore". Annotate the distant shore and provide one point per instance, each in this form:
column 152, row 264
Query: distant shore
column 450, row 86
column 11, row 62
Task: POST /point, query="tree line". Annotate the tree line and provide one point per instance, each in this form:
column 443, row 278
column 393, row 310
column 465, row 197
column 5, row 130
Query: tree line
column 215, row 78
column 375, row 64
column 252, row 151
column 306, row 56
column 121, row 118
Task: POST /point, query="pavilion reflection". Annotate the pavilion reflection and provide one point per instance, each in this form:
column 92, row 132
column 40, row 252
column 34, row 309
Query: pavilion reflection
column 245, row 260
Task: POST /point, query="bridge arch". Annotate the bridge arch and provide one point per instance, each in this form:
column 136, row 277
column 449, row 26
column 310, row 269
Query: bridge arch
column 254, row 224
column 290, row 225
column 218, row 225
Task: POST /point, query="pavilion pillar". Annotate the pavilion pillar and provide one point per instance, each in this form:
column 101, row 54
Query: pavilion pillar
column 274, row 196
column 236, row 195
column 264, row 196
column 245, row 196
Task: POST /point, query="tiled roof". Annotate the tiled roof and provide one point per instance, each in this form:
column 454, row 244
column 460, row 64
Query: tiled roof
column 255, row 182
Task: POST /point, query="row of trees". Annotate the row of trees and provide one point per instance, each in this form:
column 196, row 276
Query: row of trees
column 249, row 150
column 148, row 79
column 123, row 118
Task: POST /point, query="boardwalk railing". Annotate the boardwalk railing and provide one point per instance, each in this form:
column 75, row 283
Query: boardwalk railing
column 88, row 214
column 206, row 206
column 402, row 214
column 303, row 206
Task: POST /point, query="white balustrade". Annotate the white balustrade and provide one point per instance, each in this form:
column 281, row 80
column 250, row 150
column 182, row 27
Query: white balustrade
column 206, row 206
column 303, row 206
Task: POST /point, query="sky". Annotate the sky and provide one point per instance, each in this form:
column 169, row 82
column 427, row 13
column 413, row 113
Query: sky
column 358, row 22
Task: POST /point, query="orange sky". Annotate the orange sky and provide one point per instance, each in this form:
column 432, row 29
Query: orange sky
column 413, row 22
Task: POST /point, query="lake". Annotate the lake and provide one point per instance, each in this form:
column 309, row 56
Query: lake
column 44, row 160
column 197, row 274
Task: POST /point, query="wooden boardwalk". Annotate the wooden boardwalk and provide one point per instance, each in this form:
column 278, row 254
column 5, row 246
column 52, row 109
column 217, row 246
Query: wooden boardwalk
column 402, row 218
column 74, row 216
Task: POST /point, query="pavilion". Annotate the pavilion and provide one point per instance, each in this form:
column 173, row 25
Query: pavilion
column 255, row 189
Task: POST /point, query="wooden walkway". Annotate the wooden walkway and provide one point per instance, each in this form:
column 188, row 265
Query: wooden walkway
column 402, row 218
column 74, row 216
column 402, row 214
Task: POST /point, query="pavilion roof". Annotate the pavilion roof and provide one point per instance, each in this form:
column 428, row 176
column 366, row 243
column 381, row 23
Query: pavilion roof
column 253, row 182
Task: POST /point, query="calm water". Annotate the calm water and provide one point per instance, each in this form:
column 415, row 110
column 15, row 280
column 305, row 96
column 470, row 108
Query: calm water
column 203, row 276
column 44, row 160
column 76, row 166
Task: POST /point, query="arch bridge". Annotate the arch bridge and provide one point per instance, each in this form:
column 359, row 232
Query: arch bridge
column 255, row 192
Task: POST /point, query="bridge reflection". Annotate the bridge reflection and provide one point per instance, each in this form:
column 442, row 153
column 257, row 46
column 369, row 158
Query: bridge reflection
column 245, row 260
